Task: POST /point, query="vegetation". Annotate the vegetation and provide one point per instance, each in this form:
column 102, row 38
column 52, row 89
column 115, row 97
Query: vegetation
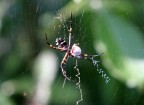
column 30, row 71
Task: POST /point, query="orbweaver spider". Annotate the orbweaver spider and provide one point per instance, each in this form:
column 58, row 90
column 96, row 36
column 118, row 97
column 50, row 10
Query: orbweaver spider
column 74, row 51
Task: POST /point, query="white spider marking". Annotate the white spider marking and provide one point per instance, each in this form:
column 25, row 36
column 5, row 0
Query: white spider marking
column 76, row 51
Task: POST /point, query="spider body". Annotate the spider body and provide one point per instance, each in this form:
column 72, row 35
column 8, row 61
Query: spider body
column 61, row 43
column 75, row 51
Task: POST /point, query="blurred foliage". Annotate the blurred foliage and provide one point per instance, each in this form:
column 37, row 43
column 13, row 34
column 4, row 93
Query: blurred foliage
column 114, row 27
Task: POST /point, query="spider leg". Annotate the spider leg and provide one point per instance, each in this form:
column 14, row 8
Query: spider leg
column 54, row 47
column 90, row 57
column 86, row 56
column 70, row 30
column 63, row 64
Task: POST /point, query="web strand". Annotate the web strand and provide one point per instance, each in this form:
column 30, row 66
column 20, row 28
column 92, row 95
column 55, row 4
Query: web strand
column 103, row 74
column 78, row 83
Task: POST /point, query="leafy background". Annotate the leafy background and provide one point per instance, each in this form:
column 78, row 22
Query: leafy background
column 30, row 72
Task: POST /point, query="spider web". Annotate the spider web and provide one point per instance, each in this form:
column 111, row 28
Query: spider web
column 77, row 35
column 65, row 28
column 30, row 72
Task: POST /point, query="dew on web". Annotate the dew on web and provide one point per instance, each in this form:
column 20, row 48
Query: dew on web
column 63, row 27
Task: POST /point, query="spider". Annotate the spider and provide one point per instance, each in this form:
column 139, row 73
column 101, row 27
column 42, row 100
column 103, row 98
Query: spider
column 74, row 51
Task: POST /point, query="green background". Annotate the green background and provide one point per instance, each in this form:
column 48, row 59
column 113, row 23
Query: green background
column 30, row 71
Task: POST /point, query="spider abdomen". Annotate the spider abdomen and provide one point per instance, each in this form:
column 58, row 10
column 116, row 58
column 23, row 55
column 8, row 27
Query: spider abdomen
column 76, row 51
column 61, row 43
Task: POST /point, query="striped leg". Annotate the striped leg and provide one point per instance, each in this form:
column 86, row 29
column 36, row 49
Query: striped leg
column 51, row 46
column 90, row 58
column 63, row 64
column 86, row 56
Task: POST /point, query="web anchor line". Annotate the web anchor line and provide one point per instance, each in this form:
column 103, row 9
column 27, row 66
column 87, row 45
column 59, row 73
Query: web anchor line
column 103, row 74
column 78, row 83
